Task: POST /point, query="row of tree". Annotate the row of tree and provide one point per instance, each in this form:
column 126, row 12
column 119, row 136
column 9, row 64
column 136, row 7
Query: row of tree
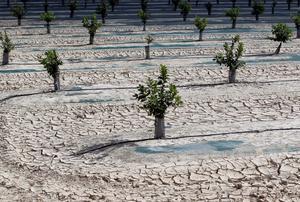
column 282, row 33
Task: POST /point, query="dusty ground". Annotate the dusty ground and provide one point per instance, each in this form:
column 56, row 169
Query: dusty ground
column 49, row 142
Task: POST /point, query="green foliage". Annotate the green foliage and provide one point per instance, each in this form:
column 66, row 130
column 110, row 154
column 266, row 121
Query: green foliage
column 296, row 20
column 144, row 5
column 92, row 25
column 258, row 8
column 143, row 16
column 185, row 7
column 149, row 39
column 158, row 95
column 233, row 13
column 72, row 5
column 6, row 43
column 175, row 3
column 102, row 9
column 282, row 33
column 51, row 62
column 208, row 6
column 200, row 23
column 113, row 3
column 48, row 16
column 18, row 11
column 232, row 55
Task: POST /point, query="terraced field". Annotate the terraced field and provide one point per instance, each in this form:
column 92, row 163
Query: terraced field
column 91, row 141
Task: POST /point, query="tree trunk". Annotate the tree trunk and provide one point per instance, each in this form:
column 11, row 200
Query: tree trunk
column 85, row 3
column 278, row 49
column 256, row 17
column 298, row 32
column 159, row 128
column 92, row 36
column 169, row 2
column 200, row 36
column 147, row 51
column 8, row 3
column 218, row 2
column 184, row 17
column 48, row 28
column 56, row 81
column 233, row 4
column 5, row 59
column 103, row 20
column 72, row 14
column 63, row 2
column 273, row 10
column 249, row 3
column 112, row 8
column 231, row 75
column 209, row 12
column 233, row 23
column 298, row 3
column 19, row 21
column 144, row 27
column 289, row 6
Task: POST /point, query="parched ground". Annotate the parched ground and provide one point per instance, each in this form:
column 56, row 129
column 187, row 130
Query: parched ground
column 53, row 145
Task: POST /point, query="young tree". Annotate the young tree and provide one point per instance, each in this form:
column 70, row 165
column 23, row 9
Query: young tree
column 296, row 20
column 156, row 97
column 185, row 9
column 24, row 4
column 72, row 7
column 102, row 10
column 258, row 9
column 208, row 7
column 149, row 39
column 231, row 58
column 144, row 5
column 48, row 17
column 144, row 17
column 91, row 26
column 274, row 3
column 112, row 4
column 46, row 5
column 233, row 13
column 7, row 46
column 18, row 12
column 282, row 34
column 175, row 4
column 289, row 4
column 51, row 63
column 233, row 3
column 201, row 25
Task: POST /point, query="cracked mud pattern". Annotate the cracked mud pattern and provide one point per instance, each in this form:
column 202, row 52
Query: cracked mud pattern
column 53, row 146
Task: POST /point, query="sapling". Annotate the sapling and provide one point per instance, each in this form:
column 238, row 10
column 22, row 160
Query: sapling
column 208, row 7
column 175, row 4
column 48, row 17
column 144, row 18
column 18, row 12
column 156, row 97
column 185, row 9
column 51, row 63
column 92, row 26
column 282, row 34
column 296, row 20
column 231, row 58
column 149, row 39
column 258, row 8
column 102, row 10
column 7, row 46
column 233, row 13
column 201, row 25
column 72, row 7
column 112, row 4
